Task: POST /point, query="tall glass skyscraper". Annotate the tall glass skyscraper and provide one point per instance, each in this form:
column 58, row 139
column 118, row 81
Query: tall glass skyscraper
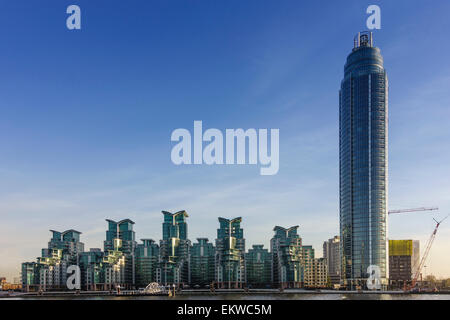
column 363, row 162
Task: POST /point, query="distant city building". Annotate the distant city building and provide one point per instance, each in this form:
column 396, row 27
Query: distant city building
column 174, row 250
column 331, row 253
column 258, row 265
column 230, row 251
column 6, row 286
column 363, row 158
column 404, row 259
column 202, row 266
column 286, row 248
column 146, row 262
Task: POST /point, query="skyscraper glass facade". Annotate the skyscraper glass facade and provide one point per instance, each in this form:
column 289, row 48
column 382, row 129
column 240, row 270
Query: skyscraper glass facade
column 363, row 137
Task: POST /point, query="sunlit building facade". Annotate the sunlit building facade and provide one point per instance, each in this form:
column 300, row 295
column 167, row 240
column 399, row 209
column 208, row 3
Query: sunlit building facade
column 124, row 264
column 316, row 275
column 90, row 263
column 50, row 270
column 118, row 260
column 307, row 255
column 286, row 248
column 174, row 250
column 230, row 254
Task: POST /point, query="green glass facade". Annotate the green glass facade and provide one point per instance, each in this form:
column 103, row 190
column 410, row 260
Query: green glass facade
column 174, row 250
column 230, row 246
column 30, row 276
column 202, row 266
column 146, row 262
column 363, row 158
column 50, row 270
column 258, row 266
column 91, row 269
column 286, row 247
column 125, row 264
column 118, row 261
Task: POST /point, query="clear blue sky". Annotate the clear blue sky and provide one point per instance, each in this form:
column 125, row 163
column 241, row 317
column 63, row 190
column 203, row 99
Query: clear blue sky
column 86, row 116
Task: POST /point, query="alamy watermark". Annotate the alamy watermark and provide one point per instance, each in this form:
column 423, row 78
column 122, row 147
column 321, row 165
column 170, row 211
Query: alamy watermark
column 235, row 150
column 73, row 22
column 374, row 20
column 373, row 281
column 73, row 281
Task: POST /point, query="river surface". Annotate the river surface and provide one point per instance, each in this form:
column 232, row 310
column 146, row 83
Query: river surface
column 262, row 296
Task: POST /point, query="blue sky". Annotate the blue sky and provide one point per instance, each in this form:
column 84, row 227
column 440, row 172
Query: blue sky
column 86, row 116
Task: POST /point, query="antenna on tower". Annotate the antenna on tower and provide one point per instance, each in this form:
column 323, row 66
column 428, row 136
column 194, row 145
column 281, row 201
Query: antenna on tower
column 363, row 39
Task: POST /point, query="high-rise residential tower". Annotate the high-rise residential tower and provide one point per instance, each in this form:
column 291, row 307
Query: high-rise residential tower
column 331, row 253
column 118, row 261
column 258, row 266
column 230, row 254
column 50, row 270
column 174, row 250
column 363, row 162
column 287, row 252
column 202, row 266
column 146, row 262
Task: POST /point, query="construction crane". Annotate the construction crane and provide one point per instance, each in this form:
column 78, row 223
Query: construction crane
column 425, row 255
column 413, row 210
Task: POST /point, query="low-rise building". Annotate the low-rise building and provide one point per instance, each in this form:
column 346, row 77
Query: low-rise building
column 403, row 261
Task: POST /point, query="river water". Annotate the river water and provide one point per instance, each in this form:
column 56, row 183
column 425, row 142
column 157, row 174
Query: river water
column 262, row 296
